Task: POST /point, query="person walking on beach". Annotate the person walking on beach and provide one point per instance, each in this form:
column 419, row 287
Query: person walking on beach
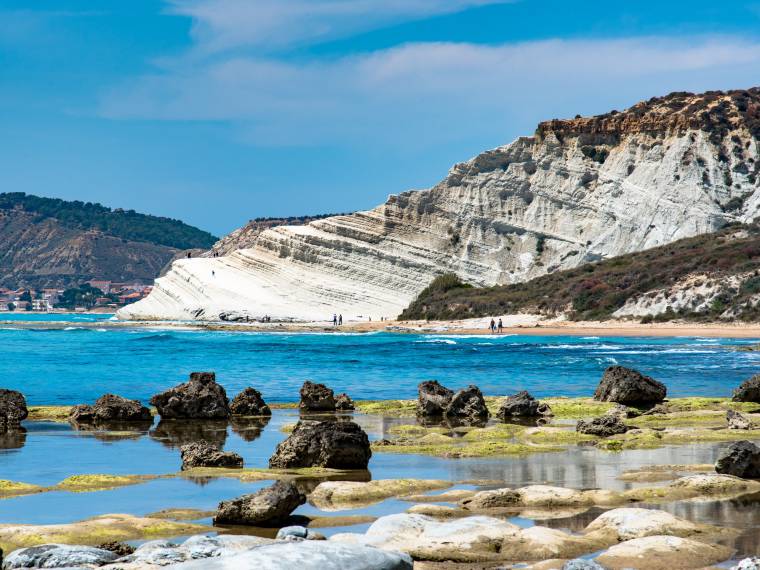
column 340, row 320
column 335, row 320
column 492, row 326
column 501, row 327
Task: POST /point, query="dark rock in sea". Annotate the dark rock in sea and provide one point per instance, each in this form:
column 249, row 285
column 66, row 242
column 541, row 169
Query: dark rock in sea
column 268, row 507
column 432, row 399
column 741, row 459
column 58, row 556
column 522, row 405
column 200, row 398
column 749, row 390
column 176, row 433
column 111, row 408
column 12, row 409
column 737, row 421
column 249, row 429
column 316, row 398
column 204, row 454
column 603, row 426
column 629, row 387
column 467, row 404
column 344, row 403
column 249, row 403
column 337, row 445
column 118, row 548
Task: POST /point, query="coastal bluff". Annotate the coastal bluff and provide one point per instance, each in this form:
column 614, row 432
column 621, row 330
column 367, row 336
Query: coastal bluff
column 577, row 191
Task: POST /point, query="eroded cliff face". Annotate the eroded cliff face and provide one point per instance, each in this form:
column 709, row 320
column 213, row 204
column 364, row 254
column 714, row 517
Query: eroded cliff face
column 577, row 191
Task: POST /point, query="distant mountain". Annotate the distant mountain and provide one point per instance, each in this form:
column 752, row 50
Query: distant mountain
column 47, row 242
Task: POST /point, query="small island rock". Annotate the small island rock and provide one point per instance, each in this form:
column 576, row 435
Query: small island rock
column 270, row 506
column 432, row 399
column 344, row 403
column 12, row 409
column 467, row 404
column 111, row 408
column 629, row 387
column 337, row 445
column 204, row 454
column 316, row 398
column 522, row 405
column 249, row 403
column 200, row 398
column 741, row 459
column 737, row 421
column 748, row 391
column 603, row 426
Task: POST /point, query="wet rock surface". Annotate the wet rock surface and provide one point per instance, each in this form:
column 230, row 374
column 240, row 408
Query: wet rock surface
column 200, row 398
column 57, row 556
column 432, row 399
column 204, row 454
column 12, row 409
column 316, row 398
column 629, row 387
column 748, row 391
column 249, row 402
column 741, row 459
column 267, row 507
column 337, row 445
column 522, row 405
column 111, row 408
column 736, row 420
column 467, row 405
column 344, row 403
column 603, row 426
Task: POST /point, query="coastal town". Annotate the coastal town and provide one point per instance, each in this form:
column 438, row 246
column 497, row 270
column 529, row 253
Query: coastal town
column 93, row 295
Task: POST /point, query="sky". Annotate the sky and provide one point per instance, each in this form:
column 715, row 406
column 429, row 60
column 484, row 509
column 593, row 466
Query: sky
column 218, row 111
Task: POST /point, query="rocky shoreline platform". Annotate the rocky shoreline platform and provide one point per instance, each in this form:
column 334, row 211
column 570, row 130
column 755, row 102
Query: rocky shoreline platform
column 626, row 478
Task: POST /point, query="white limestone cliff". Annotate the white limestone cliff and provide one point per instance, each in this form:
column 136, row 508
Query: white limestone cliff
column 577, row 191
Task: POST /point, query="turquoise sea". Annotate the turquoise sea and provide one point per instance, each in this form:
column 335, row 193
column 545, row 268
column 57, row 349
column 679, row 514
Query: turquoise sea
column 77, row 363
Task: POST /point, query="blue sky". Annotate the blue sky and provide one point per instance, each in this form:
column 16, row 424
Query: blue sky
column 217, row 111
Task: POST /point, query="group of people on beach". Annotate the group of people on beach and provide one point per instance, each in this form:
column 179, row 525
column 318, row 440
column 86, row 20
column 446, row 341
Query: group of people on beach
column 496, row 328
column 337, row 320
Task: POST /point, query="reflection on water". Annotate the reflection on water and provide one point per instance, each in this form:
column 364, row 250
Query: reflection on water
column 113, row 430
column 46, row 452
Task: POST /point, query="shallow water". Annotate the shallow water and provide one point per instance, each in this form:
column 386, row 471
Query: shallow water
column 76, row 364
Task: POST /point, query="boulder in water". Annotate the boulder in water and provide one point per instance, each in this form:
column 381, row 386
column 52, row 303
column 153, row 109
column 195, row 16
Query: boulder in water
column 111, row 408
column 737, row 421
column 316, row 398
column 603, row 426
column 749, row 390
column 522, row 405
column 629, row 387
column 268, row 507
column 344, row 403
column 337, row 445
column 200, row 398
column 249, row 403
column 467, row 404
column 12, row 409
column 204, row 454
column 432, row 399
column 741, row 459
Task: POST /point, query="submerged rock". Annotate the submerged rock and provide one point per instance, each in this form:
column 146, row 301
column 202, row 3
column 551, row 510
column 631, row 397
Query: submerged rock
column 343, row 402
column 249, row 403
column 629, row 387
column 204, row 454
column 737, row 421
column 57, row 556
column 522, row 405
column 111, row 408
column 468, row 405
column 748, row 391
column 341, row 495
column 338, row 445
column 12, row 409
column 200, row 398
column 663, row 553
column 316, row 398
column 432, row 399
column 269, row 506
column 741, row 459
column 603, row 426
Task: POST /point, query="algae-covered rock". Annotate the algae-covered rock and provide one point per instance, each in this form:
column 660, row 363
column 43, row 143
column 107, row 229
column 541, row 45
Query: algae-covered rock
column 269, row 506
column 663, row 553
column 337, row 445
column 339, row 495
column 204, row 454
column 111, row 408
column 522, row 405
column 15, row 488
column 344, row 403
column 58, row 556
column 629, row 387
column 249, row 402
column 99, row 482
column 741, row 459
column 200, row 398
column 603, row 426
column 736, row 420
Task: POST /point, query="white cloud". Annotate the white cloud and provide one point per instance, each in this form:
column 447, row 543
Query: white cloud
column 228, row 24
column 423, row 91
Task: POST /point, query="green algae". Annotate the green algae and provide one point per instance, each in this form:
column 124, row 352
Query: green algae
column 16, row 488
column 557, row 436
column 388, row 408
column 474, row 449
column 181, row 514
column 99, row 482
column 49, row 413
column 256, row 474
column 577, row 408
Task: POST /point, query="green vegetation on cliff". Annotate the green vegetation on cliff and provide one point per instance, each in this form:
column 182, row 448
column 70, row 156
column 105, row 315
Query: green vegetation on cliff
column 596, row 290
